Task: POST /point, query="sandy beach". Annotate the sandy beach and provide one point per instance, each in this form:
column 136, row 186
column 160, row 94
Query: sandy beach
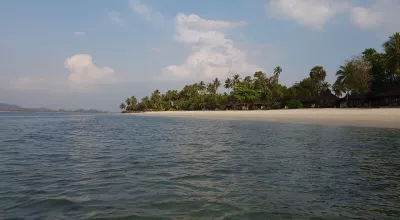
column 384, row 118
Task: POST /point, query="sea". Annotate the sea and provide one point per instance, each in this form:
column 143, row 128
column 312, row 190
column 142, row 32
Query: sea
column 113, row 166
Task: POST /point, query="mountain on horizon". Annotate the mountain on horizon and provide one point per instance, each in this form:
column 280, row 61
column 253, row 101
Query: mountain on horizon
column 4, row 106
column 16, row 108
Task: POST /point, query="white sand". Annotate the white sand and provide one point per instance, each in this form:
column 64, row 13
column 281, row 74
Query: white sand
column 385, row 117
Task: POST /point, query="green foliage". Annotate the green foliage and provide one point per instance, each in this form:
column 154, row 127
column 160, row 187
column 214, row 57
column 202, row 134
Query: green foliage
column 370, row 72
column 244, row 93
column 259, row 90
column 392, row 54
column 133, row 101
column 122, row 106
column 128, row 101
column 354, row 76
column 294, row 104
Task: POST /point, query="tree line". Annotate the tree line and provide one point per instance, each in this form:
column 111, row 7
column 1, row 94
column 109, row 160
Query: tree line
column 368, row 73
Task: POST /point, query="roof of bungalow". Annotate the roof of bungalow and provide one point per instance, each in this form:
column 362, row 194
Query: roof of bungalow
column 391, row 90
column 325, row 95
column 354, row 96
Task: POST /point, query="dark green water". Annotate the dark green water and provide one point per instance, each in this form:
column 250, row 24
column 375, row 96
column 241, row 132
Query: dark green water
column 69, row 166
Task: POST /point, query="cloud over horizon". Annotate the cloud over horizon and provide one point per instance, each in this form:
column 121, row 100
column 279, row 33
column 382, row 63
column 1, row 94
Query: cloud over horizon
column 213, row 54
column 85, row 75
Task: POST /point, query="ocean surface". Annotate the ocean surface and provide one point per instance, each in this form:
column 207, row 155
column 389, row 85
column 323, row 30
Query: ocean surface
column 85, row 166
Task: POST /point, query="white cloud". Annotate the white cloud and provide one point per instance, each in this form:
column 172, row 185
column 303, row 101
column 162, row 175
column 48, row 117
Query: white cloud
column 213, row 55
column 384, row 14
column 85, row 75
column 79, row 33
column 149, row 13
column 313, row 13
column 116, row 18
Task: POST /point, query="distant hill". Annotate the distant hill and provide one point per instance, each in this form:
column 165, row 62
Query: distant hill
column 4, row 106
column 82, row 110
column 16, row 108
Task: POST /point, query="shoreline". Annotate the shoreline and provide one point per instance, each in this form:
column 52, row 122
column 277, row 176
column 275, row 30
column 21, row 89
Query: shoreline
column 382, row 118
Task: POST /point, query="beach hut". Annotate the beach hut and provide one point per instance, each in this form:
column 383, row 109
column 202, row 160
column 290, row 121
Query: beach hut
column 324, row 100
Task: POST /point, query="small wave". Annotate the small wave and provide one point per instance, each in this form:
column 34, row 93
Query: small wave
column 262, row 215
column 84, row 198
column 193, row 177
column 55, row 202
column 131, row 217
column 46, row 203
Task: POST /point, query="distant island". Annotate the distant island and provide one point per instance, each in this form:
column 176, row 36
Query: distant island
column 15, row 108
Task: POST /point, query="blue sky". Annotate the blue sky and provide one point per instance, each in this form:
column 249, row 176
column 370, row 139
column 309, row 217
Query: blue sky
column 95, row 53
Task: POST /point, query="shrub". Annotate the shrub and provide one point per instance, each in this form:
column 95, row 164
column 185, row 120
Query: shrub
column 293, row 104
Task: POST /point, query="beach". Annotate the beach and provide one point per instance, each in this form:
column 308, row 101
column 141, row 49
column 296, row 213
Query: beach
column 384, row 117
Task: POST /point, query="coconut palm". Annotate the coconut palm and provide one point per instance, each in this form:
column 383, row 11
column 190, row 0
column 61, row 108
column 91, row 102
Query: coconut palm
column 392, row 50
column 277, row 72
column 236, row 79
column 202, row 86
column 128, row 101
column 228, row 83
column 211, row 88
column 339, row 87
column 216, row 83
column 122, row 106
column 145, row 101
column 133, row 101
column 354, row 76
column 156, row 99
column 248, row 80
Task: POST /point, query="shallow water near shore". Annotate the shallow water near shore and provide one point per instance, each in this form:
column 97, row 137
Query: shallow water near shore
column 96, row 166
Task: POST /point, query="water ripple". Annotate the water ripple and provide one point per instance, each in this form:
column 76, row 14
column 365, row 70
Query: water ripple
column 82, row 166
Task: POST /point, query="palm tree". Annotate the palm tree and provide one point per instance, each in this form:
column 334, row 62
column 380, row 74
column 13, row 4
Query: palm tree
column 128, row 101
column 354, row 76
column 202, row 86
column 145, row 101
column 216, row 83
column 122, row 106
column 277, row 72
column 392, row 50
column 339, row 87
column 247, row 80
column 133, row 101
column 156, row 99
column 236, row 79
column 228, row 83
column 211, row 88
column 318, row 73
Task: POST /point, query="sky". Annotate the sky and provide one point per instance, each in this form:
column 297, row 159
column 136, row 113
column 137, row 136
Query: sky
column 95, row 53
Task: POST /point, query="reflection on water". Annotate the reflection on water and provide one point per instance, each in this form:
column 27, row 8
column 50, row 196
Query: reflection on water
column 69, row 166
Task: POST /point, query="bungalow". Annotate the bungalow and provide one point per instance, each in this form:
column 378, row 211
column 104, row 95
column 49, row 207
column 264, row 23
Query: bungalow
column 353, row 100
column 324, row 100
column 388, row 98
